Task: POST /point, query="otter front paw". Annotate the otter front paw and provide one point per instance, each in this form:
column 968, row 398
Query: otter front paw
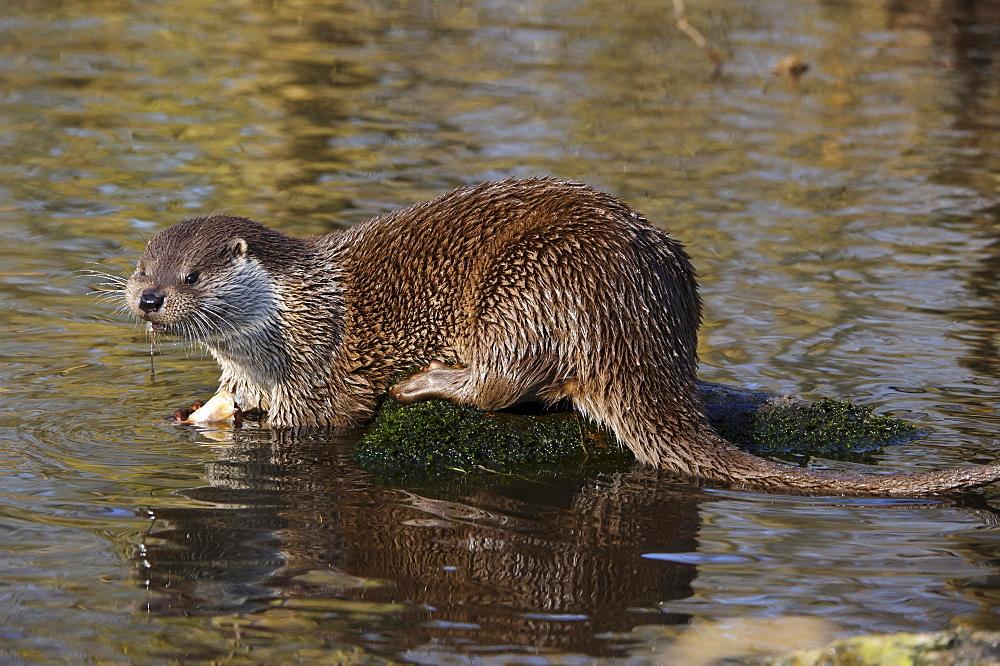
column 184, row 413
column 220, row 407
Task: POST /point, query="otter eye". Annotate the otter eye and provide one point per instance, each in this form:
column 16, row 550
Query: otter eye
column 192, row 277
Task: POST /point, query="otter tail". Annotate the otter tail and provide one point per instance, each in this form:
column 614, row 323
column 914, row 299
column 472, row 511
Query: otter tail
column 675, row 441
column 766, row 474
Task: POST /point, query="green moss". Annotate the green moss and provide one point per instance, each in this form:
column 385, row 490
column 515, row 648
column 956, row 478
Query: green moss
column 444, row 436
column 435, row 436
column 829, row 428
column 946, row 647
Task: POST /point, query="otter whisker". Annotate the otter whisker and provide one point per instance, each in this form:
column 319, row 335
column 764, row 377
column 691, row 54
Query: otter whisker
column 208, row 329
column 110, row 298
column 102, row 274
column 216, row 307
column 202, row 327
column 223, row 314
column 210, row 325
column 110, row 292
column 111, row 282
column 127, row 315
column 107, row 288
column 215, row 322
column 219, row 317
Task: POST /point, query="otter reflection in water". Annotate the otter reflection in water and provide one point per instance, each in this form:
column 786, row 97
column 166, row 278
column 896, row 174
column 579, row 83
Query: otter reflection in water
column 555, row 564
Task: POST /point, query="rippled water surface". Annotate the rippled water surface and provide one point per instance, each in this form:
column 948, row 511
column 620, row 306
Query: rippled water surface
column 846, row 228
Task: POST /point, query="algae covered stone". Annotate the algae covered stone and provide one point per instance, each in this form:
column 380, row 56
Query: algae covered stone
column 957, row 646
column 441, row 435
column 829, row 428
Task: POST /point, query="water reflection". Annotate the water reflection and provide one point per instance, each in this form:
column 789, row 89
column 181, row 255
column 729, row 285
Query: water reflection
column 288, row 536
column 969, row 33
column 550, row 564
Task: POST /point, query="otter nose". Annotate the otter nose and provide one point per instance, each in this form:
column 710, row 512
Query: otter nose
column 150, row 301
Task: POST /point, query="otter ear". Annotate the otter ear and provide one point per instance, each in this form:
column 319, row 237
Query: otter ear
column 239, row 248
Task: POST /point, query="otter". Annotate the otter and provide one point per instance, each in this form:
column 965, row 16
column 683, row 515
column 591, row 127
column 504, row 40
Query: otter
column 530, row 289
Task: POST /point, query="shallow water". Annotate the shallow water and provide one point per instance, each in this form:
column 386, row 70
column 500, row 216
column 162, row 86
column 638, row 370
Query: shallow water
column 846, row 229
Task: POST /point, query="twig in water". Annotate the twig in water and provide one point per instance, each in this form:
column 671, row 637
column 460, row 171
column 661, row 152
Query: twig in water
column 698, row 38
column 152, row 351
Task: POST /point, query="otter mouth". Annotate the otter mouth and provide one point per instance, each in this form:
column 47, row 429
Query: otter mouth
column 171, row 330
column 157, row 327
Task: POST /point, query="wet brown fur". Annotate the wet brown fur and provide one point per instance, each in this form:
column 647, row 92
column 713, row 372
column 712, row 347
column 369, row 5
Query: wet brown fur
column 515, row 290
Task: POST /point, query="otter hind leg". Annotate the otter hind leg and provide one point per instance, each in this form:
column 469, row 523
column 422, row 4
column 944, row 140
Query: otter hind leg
column 435, row 380
column 489, row 391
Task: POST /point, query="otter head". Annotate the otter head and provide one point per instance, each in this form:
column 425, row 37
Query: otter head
column 209, row 279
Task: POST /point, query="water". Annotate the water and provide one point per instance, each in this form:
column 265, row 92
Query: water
column 846, row 230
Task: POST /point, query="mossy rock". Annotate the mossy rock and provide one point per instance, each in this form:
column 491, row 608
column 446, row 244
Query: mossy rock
column 829, row 428
column 441, row 435
column 945, row 647
column 438, row 435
